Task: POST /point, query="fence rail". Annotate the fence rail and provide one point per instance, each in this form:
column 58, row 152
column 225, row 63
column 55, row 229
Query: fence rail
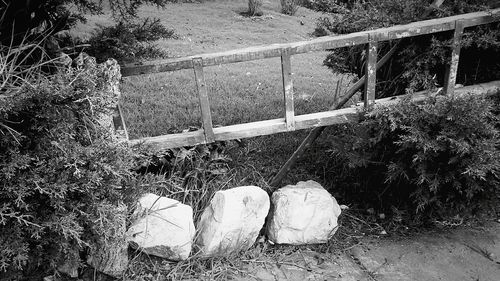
column 292, row 122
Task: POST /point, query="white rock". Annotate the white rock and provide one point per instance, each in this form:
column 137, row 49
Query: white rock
column 232, row 221
column 164, row 227
column 302, row 214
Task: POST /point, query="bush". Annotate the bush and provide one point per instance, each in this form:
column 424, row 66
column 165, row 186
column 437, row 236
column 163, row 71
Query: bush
column 128, row 42
column 432, row 158
column 59, row 166
column 328, row 6
column 419, row 62
column 290, row 7
column 255, row 8
column 45, row 18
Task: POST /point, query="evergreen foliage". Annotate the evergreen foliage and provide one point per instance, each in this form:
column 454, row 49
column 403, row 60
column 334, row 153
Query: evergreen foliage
column 59, row 167
column 128, row 42
column 432, row 158
column 419, row 62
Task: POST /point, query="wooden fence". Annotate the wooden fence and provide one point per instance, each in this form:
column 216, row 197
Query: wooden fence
column 292, row 122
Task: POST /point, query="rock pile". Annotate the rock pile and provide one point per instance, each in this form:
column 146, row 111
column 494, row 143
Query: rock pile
column 304, row 213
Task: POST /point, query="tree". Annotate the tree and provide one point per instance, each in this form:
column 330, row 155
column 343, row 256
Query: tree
column 41, row 18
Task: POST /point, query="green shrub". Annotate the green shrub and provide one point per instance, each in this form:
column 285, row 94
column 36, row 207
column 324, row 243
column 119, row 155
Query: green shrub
column 328, row 6
column 128, row 42
column 431, row 158
column 59, row 167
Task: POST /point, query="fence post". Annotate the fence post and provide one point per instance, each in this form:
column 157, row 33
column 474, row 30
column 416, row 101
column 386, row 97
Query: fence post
column 206, row 116
column 286, row 72
column 370, row 71
column 450, row 76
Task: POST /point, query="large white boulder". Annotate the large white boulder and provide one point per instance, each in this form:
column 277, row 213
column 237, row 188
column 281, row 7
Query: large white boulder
column 163, row 227
column 302, row 214
column 232, row 221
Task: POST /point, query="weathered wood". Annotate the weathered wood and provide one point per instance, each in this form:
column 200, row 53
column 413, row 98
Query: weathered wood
column 248, row 130
column 274, row 126
column 318, row 121
column 370, row 72
column 246, row 54
column 328, row 42
column 434, row 25
column 326, row 118
column 316, row 132
column 172, row 140
column 119, row 123
column 206, row 116
column 452, row 68
column 286, row 74
column 318, row 44
column 157, row 66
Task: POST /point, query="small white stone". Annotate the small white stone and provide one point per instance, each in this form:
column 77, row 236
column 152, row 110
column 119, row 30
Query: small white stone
column 302, row 214
column 164, row 227
column 232, row 221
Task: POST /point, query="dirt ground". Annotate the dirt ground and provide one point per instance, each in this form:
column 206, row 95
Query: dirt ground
column 453, row 254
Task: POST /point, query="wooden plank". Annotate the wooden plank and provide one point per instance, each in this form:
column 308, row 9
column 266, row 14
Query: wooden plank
column 305, row 121
column 246, row 54
column 286, row 73
column 450, row 75
column 370, row 72
column 487, row 89
column 318, row 44
column 119, row 123
column 157, row 66
column 274, row 126
column 327, row 118
column 328, row 42
column 206, row 116
column 248, row 130
column 172, row 140
column 435, row 25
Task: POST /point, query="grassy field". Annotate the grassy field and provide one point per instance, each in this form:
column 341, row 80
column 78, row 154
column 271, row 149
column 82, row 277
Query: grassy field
column 239, row 93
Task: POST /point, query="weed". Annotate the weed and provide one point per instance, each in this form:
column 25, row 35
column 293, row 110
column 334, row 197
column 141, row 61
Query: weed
column 290, row 7
column 255, row 7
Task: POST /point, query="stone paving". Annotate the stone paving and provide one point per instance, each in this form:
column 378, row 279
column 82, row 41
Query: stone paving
column 456, row 254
